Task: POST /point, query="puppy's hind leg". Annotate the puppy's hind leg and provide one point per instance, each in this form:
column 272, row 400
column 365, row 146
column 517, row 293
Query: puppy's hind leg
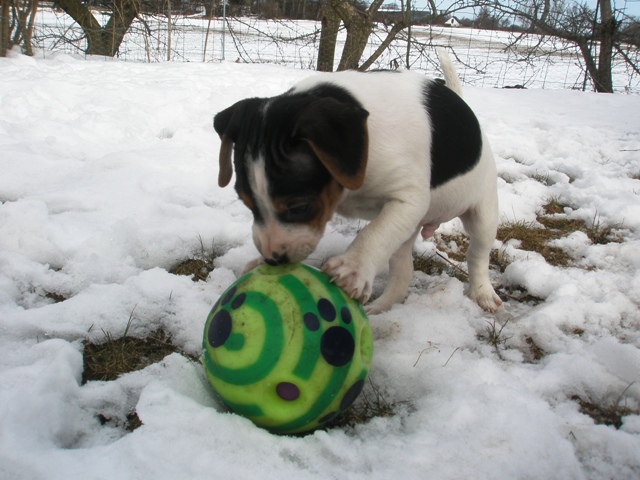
column 400, row 275
column 481, row 224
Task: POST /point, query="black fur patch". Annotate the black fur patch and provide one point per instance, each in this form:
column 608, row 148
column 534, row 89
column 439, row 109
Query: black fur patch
column 239, row 122
column 337, row 128
column 457, row 141
column 266, row 128
column 291, row 167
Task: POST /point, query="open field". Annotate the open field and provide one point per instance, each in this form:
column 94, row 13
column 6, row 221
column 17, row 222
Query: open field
column 485, row 58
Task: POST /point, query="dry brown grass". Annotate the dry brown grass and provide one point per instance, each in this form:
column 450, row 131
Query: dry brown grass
column 554, row 226
column 438, row 264
column 109, row 359
column 535, row 239
column 551, row 225
column 200, row 264
column 117, row 356
column 607, row 412
column 535, row 352
column 198, row 269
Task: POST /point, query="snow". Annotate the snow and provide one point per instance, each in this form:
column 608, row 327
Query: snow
column 109, row 177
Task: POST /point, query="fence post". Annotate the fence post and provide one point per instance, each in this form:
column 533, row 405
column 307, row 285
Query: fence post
column 224, row 23
column 168, row 30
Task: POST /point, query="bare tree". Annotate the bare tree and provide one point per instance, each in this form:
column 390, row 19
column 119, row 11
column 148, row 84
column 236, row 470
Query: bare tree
column 358, row 21
column 403, row 23
column 16, row 25
column 5, row 26
column 102, row 40
column 328, row 39
column 597, row 33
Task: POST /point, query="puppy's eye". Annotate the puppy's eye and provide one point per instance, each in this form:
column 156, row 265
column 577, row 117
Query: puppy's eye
column 298, row 207
column 298, row 210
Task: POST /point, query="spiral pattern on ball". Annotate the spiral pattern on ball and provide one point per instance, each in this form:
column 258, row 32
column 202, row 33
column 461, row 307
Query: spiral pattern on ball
column 286, row 348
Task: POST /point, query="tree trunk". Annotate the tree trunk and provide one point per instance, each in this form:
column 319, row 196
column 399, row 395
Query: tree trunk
column 358, row 32
column 168, row 30
column 406, row 14
column 4, row 27
column 102, row 40
column 359, row 25
column 603, row 80
column 603, row 34
column 28, row 33
column 16, row 20
column 328, row 39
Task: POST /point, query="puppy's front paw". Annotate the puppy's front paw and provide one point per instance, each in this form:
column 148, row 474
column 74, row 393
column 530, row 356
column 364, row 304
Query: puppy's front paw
column 486, row 297
column 350, row 275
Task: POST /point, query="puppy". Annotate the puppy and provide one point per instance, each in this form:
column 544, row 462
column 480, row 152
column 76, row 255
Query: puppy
column 396, row 148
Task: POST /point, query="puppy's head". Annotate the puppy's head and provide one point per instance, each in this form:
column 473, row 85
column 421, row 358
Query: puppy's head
column 293, row 156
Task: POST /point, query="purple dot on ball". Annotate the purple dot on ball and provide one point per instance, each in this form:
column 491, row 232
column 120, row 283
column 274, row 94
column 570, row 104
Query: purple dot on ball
column 337, row 346
column 287, row 391
column 345, row 313
column 219, row 328
column 311, row 321
column 326, row 310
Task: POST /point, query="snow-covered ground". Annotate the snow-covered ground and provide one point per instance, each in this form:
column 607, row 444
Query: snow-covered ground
column 108, row 176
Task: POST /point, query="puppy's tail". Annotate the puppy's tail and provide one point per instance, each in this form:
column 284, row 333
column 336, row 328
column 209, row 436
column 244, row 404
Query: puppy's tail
column 450, row 75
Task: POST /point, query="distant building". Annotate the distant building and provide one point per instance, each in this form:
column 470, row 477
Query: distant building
column 390, row 13
column 452, row 22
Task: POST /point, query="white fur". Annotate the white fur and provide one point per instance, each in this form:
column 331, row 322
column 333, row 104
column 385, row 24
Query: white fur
column 395, row 195
column 449, row 71
column 273, row 238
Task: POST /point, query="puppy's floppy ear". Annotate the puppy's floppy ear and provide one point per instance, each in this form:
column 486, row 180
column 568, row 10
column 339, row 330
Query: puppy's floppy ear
column 227, row 125
column 337, row 133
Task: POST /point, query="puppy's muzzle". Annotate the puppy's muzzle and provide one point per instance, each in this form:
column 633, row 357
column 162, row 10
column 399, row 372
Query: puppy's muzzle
column 277, row 259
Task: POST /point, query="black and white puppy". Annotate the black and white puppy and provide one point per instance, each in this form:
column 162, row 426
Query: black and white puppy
column 396, row 148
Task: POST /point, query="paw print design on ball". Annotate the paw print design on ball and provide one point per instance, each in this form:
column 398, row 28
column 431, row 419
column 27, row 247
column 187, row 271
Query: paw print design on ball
column 286, row 348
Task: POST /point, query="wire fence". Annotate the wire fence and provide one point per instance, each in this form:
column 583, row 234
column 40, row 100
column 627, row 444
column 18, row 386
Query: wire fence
column 485, row 58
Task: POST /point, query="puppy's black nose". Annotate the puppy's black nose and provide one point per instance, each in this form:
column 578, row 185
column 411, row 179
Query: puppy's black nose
column 277, row 259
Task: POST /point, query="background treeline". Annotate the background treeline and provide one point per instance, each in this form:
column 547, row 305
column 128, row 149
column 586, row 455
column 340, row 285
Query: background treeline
column 601, row 35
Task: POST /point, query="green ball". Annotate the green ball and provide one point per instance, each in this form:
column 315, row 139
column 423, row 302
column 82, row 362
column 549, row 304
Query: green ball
column 287, row 348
